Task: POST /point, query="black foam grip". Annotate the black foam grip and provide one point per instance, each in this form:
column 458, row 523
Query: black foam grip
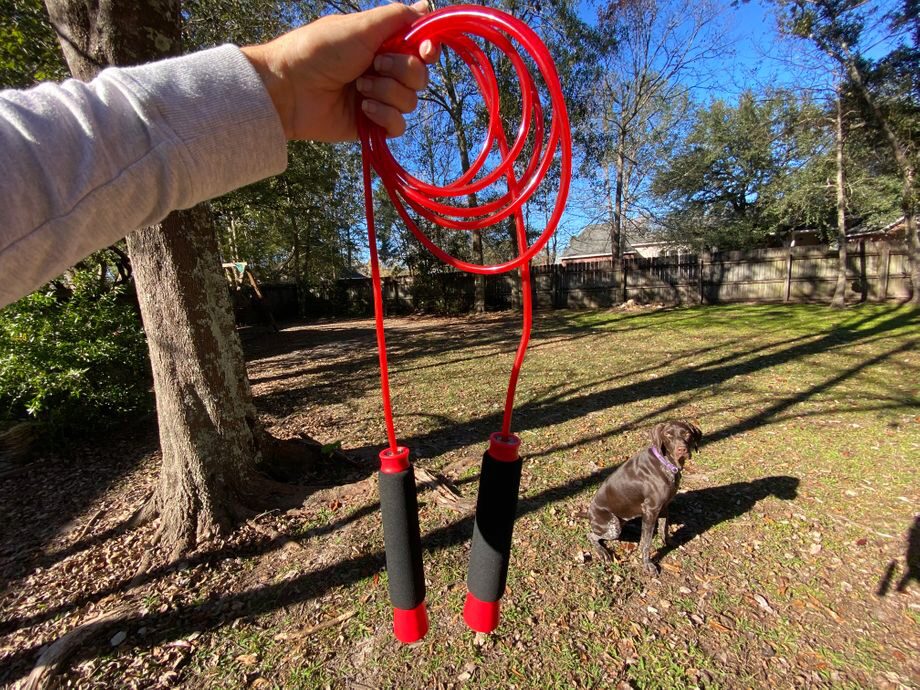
column 495, row 510
column 399, row 505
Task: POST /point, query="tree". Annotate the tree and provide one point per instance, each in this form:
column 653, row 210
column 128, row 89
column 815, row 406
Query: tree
column 29, row 51
column 839, row 29
column 839, row 299
column 657, row 53
column 209, row 434
column 731, row 182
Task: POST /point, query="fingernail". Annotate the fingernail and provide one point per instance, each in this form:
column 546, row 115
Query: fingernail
column 383, row 62
column 363, row 84
column 369, row 107
column 421, row 6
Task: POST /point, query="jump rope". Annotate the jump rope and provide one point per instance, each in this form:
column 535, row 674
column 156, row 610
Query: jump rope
column 496, row 505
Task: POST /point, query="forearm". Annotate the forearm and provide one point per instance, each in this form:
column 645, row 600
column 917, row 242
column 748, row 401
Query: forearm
column 151, row 139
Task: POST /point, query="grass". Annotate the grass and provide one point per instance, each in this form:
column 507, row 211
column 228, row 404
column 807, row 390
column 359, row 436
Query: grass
column 788, row 519
column 799, row 392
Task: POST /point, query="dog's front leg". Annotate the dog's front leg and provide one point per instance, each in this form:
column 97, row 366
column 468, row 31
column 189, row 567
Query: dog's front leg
column 649, row 518
column 664, row 531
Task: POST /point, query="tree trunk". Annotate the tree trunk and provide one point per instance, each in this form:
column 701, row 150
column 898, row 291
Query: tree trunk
column 479, row 304
column 455, row 109
column 905, row 166
column 613, row 204
column 618, row 204
column 206, row 417
column 839, row 300
column 208, row 428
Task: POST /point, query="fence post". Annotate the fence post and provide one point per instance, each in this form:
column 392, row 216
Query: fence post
column 700, row 277
column 787, row 293
column 625, row 265
column 883, row 267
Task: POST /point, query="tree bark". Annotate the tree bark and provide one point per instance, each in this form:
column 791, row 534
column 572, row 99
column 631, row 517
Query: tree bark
column 618, row 202
column 905, row 166
column 839, row 300
column 208, row 428
column 206, row 417
column 455, row 109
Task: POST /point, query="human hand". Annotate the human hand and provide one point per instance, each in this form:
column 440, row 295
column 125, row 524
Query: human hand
column 314, row 74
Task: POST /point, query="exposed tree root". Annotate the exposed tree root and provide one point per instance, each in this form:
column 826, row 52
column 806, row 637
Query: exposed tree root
column 444, row 491
column 53, row 658
column 88, row 525
column 147, row 512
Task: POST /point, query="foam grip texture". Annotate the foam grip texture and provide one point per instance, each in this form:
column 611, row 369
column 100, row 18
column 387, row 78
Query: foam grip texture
column 496, row 508
column 399, row 505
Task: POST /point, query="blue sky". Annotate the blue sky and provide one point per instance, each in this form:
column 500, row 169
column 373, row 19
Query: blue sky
column 758, row 58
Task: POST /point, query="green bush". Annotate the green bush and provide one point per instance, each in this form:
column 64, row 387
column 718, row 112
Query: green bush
column 76, row 358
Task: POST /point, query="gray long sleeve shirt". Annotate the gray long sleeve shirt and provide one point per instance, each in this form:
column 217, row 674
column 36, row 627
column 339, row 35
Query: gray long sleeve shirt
column 83, row 164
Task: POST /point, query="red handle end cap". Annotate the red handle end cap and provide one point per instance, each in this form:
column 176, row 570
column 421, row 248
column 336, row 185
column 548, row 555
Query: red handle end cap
column 481, row 616
column 394, row 462
column 410, row 625
column 504, row 448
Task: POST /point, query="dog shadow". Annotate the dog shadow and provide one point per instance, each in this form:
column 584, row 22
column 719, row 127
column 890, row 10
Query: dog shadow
column 700, row 510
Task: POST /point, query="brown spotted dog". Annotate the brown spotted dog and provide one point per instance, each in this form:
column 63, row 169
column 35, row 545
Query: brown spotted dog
column 643, row 486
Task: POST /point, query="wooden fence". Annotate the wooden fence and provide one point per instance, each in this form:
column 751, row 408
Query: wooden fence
column 875, row 272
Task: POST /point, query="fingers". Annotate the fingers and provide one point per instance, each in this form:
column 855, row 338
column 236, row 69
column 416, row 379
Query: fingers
column 386, row 116
column 391, row 92
column 429, row 52
column 388, row 92
column 407, row 69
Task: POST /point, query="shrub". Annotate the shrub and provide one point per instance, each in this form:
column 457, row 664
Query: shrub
column 76, row 358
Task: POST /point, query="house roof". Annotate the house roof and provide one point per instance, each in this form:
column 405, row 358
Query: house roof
column 865, row 230
column 594, row 240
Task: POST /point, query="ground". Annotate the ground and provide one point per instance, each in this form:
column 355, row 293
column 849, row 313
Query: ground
column 797, row 524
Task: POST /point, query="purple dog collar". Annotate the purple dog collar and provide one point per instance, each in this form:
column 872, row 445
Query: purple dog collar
column 664, row 461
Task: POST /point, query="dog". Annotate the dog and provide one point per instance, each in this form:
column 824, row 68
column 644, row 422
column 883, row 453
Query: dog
column 643, row 486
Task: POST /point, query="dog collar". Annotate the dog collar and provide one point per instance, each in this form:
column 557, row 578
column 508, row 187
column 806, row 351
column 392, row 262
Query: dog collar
column 664, row 461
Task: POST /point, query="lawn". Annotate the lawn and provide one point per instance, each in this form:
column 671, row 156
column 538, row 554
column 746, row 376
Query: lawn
column 791, row 567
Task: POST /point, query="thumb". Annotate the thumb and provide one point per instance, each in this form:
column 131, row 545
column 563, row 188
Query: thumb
column 384, row 22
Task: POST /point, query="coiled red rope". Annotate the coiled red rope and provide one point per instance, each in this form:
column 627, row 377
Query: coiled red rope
column 453, row 28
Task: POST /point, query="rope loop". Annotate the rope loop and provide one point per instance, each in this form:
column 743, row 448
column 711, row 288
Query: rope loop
column 454, row 27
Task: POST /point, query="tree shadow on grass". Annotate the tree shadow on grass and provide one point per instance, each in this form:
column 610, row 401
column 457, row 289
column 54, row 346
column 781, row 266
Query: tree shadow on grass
column 567, row 403
column 43, row 506
column 185, row 619
column 557, row 407
column 700, row 510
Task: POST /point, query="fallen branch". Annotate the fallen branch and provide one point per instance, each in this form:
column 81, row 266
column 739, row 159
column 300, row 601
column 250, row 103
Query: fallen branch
column 841, row 518
column 332, row 622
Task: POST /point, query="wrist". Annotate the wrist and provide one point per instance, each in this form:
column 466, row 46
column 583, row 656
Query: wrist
column 276, row 85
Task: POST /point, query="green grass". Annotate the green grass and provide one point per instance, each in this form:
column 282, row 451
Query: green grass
column 811, row 422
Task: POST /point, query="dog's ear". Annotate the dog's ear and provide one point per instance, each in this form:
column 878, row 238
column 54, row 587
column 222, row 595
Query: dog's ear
column 657, row 436
column 695, row 433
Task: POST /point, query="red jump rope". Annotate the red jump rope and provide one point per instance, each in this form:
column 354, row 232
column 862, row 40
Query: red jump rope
column 496, row 505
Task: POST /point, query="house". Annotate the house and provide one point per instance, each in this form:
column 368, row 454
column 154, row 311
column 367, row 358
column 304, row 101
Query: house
column 641, row 241
column 895, row 231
